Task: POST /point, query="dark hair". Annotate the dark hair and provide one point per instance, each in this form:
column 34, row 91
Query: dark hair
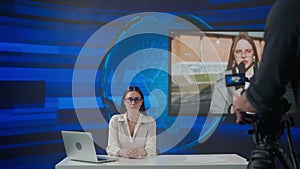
column 130, row 89
column 231, row 65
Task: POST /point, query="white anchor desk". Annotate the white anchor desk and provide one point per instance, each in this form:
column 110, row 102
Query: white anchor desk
column 207, row 161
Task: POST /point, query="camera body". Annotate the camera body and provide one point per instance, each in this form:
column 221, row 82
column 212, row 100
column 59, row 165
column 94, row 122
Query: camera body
column 268, row 127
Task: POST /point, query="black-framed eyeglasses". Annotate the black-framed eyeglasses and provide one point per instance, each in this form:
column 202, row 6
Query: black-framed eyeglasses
column 136, row 100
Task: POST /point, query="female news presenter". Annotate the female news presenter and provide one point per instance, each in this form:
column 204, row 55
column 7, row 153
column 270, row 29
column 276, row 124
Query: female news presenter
column 132, row 133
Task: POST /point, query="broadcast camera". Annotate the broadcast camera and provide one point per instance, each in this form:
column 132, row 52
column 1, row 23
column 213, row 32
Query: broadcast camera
column 267, row 130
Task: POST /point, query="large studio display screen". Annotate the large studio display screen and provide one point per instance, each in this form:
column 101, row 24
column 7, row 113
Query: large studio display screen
column 198, row 63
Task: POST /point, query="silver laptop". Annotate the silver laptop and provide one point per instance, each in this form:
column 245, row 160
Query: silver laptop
column 80, row 146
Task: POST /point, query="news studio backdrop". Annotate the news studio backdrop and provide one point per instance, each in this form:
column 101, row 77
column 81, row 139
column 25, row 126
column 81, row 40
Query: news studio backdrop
column 46, row 45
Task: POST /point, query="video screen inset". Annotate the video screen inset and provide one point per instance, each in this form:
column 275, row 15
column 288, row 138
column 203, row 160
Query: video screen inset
column 198, row 63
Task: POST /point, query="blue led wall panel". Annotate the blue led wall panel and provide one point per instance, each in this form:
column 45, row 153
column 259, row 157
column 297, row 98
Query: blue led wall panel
column 39, row 44
column 22, row 94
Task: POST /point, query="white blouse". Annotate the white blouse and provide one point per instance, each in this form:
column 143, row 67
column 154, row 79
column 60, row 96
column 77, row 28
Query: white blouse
column 144, row 135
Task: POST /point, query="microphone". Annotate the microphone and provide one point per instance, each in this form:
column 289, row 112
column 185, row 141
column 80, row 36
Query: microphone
column 242, row 70
column 248, row 116
column 238, row 80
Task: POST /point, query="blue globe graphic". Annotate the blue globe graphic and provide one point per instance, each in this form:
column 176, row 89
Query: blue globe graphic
column 139, row 55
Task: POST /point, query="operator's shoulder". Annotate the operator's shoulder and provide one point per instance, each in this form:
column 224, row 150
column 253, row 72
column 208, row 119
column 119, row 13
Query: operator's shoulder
column 288, row 10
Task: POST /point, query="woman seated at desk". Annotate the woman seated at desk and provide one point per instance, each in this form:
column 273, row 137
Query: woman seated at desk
column 132, row 133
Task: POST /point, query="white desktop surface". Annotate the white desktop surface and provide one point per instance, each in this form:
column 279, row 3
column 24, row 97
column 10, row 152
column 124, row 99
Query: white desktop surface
column 207, row 161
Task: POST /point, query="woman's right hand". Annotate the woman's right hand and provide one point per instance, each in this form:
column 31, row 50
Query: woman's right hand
column 130, row 152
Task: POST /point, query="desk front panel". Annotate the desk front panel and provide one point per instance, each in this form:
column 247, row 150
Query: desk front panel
column 213, row 161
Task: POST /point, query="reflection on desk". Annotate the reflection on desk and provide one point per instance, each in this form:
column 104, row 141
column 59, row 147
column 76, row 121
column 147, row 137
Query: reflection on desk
column 208, row 161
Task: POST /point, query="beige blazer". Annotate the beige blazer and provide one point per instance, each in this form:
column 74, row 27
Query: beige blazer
column 222, row 95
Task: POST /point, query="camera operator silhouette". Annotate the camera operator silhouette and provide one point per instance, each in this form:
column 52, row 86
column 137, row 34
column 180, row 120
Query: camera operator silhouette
column 279, row 66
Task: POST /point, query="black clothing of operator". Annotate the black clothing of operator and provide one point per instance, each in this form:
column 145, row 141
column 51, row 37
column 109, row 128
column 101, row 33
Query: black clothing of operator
column 281, row 57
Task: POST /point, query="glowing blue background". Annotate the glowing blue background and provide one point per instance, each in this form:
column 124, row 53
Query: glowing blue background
column 40, row 41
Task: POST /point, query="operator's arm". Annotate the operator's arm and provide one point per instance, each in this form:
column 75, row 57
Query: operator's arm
column 278, row 61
